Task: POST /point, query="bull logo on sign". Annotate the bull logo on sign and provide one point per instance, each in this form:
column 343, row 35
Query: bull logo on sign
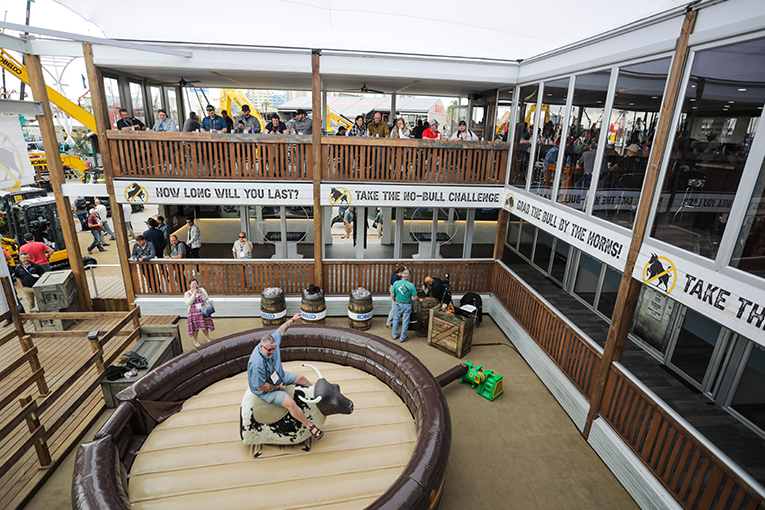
column 337, row 196
column 135, row 193
column 658, row 274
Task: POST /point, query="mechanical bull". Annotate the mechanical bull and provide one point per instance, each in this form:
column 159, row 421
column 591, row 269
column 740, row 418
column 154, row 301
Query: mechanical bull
column 264, row 423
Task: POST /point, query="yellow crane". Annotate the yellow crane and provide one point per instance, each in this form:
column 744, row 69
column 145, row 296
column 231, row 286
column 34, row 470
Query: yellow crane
column 230, row 95
column 18, row 70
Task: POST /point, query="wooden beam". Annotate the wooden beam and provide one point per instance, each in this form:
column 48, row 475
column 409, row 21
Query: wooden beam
column 10, row 298
column 318, row 271
column 629, row 288
column 57, row 178
column 101, row 114
column 499, row 238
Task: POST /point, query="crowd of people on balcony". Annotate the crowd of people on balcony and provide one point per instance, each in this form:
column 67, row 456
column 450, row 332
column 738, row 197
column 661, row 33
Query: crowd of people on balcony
column 302, row 124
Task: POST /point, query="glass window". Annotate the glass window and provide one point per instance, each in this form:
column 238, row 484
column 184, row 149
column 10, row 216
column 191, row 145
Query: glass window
column 156, row 100
column 749, row 399
column 136, row 96
column 172, row 107
column 586, row 118
column 513, row 229
column 504, row 109
column 484, row 233
column 543, row 251
column 749, row 252
column 546, row 153
column 637, row 100
column 526, row 246
column 608, row 291
column 720, row 112
column 527, row 104
column 112, row 92
column 587, row 276
column 695, row 344
column 560, row 259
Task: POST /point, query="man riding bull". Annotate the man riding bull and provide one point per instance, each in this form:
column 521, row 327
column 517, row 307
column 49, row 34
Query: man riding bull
column 267, row 378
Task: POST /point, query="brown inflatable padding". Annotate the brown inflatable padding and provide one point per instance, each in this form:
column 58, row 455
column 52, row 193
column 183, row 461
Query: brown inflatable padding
column 99, row 477
column 418, row 487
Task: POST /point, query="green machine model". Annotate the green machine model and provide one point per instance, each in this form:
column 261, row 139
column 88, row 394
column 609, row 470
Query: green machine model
column 489, row 384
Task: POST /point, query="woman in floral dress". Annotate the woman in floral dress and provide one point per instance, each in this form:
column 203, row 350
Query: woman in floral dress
column 195, row 298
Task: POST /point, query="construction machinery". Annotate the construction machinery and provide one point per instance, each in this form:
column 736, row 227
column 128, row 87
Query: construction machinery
column 9, row 198
column 18, row 70
column 228, row 96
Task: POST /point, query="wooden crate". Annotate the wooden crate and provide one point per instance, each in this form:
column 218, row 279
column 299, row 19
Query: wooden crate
column 425, row 308
column 451, row 333
column 156, row 350
column 56, row 324
column 55, row 291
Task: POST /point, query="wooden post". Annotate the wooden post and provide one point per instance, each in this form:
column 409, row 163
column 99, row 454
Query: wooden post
column 57, row 178
column 499, row 238
column 34, row 362
column 101, row 114
column 629, row 288
column 318, row 270
column 95, row 346
column 10, row 297
column 33, row 423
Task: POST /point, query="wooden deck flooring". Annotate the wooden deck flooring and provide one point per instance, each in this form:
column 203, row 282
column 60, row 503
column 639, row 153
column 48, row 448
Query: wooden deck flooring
column 61, row 356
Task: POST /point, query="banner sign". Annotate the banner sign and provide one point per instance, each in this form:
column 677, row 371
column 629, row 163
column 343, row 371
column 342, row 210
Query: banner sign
column 404, row 195
column 212, row 192
column 605, row 244
column 15, row 167
column 736, row 305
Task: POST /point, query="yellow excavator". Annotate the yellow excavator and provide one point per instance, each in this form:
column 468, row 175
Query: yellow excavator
column 18, row 70
column 230, row 95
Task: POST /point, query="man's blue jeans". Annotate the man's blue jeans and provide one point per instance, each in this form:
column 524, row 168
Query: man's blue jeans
column 401, row 311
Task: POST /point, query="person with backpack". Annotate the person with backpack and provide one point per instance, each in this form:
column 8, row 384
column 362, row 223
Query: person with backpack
column 178, row 250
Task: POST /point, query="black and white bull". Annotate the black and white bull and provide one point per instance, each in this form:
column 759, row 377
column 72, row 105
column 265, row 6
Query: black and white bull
column 264, row 423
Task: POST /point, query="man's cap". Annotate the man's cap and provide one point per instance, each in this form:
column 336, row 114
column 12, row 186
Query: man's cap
column 434, row 122
column 92, row 211
column 245, row 108
column 29, row 237
column 463, row 123
column 633, row 148
column 300, row 112
column 210, row 107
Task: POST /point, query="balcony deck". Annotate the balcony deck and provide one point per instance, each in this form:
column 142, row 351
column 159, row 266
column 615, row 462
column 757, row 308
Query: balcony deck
column 290, row 157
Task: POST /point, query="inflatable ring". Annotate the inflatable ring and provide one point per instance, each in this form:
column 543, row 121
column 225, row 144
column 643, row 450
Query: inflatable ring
column 101, row 466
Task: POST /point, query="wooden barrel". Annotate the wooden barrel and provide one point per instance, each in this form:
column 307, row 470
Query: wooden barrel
column 360, row 309
column 428, row 304
column 273, row 307
column 313, row 307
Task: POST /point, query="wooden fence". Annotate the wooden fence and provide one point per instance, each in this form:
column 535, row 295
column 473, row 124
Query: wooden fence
column 697, row 477
column 278, row 157
column 211, row 156
column 224, row 278
column 54, row 386
column 433, row 161
column 690, row 471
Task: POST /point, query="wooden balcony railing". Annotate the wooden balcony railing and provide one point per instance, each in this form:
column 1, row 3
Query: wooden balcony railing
column 235, row 278
column 210, row 156
column 342, row 276
column 692, row 472
column 578, row 359
column 223, row 278
column 385, row 160
column 274, row 157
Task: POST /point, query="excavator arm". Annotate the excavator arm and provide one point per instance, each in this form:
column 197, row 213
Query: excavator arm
column 20, row 71
column 239, row 99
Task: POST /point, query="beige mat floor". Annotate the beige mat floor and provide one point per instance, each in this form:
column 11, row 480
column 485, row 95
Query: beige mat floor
column 519, row 452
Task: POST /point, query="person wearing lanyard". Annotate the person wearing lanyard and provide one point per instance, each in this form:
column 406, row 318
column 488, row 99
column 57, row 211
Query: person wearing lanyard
column 213, row 123
column 267, row 378
column 28, row 273
column 164, row 123
column 128, row 123
column 402, row 292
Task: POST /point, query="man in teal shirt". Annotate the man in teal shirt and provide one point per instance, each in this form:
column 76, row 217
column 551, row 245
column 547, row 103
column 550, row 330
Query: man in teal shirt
column 402, row 293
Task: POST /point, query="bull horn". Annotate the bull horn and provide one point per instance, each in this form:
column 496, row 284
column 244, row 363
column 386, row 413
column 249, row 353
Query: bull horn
column 314, row 369
column 311, row 400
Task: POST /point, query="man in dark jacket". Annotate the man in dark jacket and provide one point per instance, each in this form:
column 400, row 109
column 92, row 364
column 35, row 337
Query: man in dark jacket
column 155, row 236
